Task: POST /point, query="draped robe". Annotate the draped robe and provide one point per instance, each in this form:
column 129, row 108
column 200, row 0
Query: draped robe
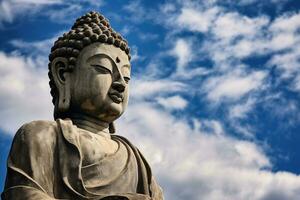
column 45, row 162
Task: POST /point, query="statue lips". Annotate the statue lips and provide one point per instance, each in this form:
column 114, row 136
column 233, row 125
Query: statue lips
column 116, row 97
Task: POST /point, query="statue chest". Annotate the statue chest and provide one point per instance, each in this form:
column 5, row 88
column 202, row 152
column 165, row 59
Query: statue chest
column 107, row 164
column 96, row 147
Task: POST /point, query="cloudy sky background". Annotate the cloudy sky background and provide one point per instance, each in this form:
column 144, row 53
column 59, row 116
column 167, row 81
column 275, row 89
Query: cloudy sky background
column 215, row 88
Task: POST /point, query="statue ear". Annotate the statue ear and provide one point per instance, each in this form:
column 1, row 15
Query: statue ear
column 61, row 77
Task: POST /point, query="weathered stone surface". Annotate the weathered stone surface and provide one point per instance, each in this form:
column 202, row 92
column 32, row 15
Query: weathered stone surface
column 78, row 156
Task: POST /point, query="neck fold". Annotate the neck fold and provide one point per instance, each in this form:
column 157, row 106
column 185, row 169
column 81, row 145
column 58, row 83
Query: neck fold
column 90, row 123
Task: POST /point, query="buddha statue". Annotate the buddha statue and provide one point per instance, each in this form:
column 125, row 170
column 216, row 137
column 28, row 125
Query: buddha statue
column 78, row 156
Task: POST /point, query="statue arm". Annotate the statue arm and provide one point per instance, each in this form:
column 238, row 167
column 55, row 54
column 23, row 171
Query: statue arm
column 29, row 167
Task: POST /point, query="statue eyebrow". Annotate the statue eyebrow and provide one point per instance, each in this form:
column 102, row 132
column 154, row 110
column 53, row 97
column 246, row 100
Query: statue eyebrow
column 101, row 54
column 104, row 55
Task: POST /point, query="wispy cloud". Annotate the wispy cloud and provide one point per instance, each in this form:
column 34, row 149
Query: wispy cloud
column 173, row 102
column 135, row 55
column 196, row 20
column 137, row 12
column 231, row 25
column 10, row 9
column 144, row 88
column 182, row 50
column 228, row 38
column 233, row 86
column 64, row 15
column 34, row 48
column 240, row 111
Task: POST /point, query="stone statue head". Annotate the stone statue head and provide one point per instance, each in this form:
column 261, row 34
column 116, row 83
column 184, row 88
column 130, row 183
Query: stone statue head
column 89, row 70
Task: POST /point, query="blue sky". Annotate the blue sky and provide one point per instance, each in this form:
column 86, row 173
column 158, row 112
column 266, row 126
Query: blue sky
column 215, row 88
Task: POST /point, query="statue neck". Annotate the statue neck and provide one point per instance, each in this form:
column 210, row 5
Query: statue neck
column 90, row 123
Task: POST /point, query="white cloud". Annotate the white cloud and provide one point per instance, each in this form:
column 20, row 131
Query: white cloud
column 6, row 12
column 236, row 36
column 173, row 102
column 230, row 25
column 196, row 20
column 190, row 73
column 208, row 126
column 66, row 15
column 259, row 3
column 24, row 91
column 183, row 52
column 135, row 55
column 282, row 41
column 233, row 86
column 287, row 62
column 137, row 12
column 141, row 89
column 241, row 110
column 93, row 3
column 287, row 23
column 167, row 8
column 296, row 85
column 10, row 9
column 126, row 30
column 148, row 36
column 285, row 30
column 41, row 47
column 42, row 2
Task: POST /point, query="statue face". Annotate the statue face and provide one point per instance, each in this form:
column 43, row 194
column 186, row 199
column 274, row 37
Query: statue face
column 99, row 82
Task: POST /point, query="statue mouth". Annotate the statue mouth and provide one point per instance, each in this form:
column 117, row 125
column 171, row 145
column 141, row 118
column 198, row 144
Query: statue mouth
column 116, row 97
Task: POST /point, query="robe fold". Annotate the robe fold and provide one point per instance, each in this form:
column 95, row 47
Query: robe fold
column 45, row 162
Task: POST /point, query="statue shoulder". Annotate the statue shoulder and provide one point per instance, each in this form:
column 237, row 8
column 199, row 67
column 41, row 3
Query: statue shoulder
column 38, row 132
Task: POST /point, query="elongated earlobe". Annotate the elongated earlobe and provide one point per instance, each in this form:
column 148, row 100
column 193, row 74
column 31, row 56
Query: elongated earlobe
column 61, row 77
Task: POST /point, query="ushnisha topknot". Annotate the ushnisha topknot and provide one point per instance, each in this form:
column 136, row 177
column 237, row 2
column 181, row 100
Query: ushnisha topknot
column 89, row 28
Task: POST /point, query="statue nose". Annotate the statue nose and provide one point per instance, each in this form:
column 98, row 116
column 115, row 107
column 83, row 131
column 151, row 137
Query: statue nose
column 118, row 86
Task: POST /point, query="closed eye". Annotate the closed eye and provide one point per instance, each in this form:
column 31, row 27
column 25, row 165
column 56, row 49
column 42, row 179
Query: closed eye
column 102, row 69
